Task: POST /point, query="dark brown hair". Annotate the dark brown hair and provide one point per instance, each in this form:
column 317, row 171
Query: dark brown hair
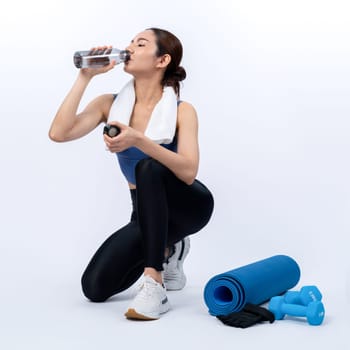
column 168, row 43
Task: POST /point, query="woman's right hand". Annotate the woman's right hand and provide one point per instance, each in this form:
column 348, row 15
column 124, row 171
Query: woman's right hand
column 91, row 72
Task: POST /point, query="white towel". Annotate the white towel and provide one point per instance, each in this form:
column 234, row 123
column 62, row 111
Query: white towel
column 161, row 127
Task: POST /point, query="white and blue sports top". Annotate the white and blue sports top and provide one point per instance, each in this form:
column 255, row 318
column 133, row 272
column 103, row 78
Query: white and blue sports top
column 131, row 156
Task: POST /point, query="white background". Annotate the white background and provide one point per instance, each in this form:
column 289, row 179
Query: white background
column 270, row 81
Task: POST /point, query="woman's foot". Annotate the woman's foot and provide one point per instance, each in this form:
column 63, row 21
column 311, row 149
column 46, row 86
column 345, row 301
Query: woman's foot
column 150, row 302
column 174, row 276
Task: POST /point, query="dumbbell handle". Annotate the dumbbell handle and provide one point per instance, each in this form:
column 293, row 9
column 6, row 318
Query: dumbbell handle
column 294, row 309
column 292, row 297
column 304, row 296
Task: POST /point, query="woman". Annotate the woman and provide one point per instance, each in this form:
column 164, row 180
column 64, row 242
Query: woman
column 168, row 202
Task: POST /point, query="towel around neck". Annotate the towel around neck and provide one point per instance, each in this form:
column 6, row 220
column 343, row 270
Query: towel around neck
column 161, row 127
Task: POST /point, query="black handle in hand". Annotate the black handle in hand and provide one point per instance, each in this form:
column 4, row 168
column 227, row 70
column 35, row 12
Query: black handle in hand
column 111, row 130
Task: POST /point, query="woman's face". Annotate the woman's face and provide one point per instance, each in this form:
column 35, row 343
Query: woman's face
column 143, row 50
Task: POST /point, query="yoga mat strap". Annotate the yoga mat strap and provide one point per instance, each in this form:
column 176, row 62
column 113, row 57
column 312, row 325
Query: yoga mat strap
column 247, row 317
column 260, row 311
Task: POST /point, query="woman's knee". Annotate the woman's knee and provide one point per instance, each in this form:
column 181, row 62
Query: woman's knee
column 197, row 208
column 206, row 208
column 209, row 204
column 92, row 289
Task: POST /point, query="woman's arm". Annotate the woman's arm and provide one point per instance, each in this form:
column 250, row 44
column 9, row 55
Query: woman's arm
column 67, row 125
column 184, row 163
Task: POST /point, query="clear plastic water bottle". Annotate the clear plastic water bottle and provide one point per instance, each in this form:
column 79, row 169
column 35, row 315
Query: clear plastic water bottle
column 99, row 58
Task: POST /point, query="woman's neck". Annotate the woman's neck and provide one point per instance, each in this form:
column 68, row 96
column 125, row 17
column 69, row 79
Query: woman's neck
column 148, row 92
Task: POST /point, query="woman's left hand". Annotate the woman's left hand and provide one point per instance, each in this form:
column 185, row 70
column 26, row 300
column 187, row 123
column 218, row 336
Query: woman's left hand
column 128, row 137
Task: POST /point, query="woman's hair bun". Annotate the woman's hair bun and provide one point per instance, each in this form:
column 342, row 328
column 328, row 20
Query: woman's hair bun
column 180, row 73
column 173, row 78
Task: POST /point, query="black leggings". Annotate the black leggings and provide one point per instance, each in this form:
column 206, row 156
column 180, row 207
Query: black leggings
column 165, row 210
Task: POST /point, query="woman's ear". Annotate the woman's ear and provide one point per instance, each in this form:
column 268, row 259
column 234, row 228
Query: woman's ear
column 164, row 61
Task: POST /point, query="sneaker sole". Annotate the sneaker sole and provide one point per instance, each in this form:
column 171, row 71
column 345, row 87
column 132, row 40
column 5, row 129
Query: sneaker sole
column 133, row 315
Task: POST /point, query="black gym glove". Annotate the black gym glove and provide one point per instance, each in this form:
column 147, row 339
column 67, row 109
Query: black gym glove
column 248, row 316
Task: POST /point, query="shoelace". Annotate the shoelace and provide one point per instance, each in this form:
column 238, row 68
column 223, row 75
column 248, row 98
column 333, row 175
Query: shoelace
column 146, row 290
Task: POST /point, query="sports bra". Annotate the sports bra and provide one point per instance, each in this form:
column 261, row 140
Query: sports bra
column 131, row 156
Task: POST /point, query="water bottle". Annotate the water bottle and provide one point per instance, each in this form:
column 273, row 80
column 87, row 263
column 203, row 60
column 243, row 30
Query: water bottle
column 99, row 58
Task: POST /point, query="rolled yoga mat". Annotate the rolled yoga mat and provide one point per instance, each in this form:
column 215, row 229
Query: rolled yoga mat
column 254, row 283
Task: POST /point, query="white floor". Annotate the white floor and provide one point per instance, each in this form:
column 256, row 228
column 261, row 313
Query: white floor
column 55, row 315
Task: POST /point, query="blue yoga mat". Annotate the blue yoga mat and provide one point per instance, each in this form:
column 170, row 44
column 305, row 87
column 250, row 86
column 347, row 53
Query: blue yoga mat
column 254, row 283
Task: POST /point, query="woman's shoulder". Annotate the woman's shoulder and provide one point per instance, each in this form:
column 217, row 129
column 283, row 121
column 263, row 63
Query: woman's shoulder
column 186, row 112
column 185, row 106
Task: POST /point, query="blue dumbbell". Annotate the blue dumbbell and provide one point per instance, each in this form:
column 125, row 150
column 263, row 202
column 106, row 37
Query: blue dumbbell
column 306, row 295
column 314, row 312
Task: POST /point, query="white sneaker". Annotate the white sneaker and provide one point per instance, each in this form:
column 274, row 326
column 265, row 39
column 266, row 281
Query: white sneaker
column 150, row 302
column 173, row 275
